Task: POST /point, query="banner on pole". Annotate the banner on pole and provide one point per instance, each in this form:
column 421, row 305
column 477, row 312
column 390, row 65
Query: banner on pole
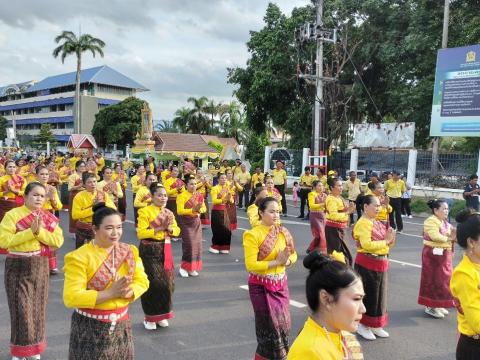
column 384, row 135
column 456, row 93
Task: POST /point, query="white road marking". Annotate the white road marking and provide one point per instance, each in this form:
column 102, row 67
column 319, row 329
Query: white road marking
column 413, row 235
column 406, row 263
column 130, row 221
column 293, row 303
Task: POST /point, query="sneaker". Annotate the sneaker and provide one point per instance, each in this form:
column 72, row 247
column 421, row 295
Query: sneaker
column 410, row 216
column 149, row 325
column 380, row 332
column 163, row 323
column 434, row 313
column 17, row 358
column 224, row 251
column 365, row 332
column 183, row 273
column 192, row 273
column 213, row 251
column 54, row 271
column 34, row 357
column 443, row 311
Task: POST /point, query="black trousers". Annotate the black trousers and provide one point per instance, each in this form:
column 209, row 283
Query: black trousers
column 281, row 190
column 406, row 207
column 467, row 348
column 243, row 196
column 303, row 201
column 395, row 216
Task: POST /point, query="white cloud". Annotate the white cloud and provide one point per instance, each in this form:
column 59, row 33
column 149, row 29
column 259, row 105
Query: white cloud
column 176, row 48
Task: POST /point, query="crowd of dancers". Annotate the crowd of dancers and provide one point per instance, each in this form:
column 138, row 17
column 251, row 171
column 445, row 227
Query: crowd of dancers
column 345, row 294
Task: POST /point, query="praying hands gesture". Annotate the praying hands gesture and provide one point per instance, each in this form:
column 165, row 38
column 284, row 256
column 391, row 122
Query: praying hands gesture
column 36, row 225
column 391, row 237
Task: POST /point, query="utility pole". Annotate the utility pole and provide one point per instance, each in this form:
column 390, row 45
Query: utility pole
column 446, row 15
column 318, row 33
column 14, row 125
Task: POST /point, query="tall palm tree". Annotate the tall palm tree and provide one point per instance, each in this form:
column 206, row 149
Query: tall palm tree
column 166, row 126
column 182, row 119
column 199, row 122
column 212, row 109
column 71, row 44
column 233, row 122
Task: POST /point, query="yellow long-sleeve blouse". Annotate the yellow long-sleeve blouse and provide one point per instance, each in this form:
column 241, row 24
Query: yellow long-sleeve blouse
column 362, row 233
column 135, row 185
column 64, row 172
column 216, row 200
column 252, row 239
column 182, row 200
column 72, row 179
column 253, row 217
column 83, row 203
column 334, row 206
column 115, row 177
column 8, row 194
column 82, row 264
column 103, row 183
column 313, row 343
column 141, row 197
column 164, row 174
column 312, row 195
column 383, row 211
column 171, row 192
column 431, row 228
column 465, row 288
column 145, row 216
column 56, row 204
column 26, row 240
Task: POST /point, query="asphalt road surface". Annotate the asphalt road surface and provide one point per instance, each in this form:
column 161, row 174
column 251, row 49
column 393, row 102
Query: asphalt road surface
column 213, row 314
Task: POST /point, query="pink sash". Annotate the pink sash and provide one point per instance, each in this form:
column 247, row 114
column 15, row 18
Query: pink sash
column 49, row 220
column 162, row 222
column 268, row 244
column 105, row 273
column 195, row 199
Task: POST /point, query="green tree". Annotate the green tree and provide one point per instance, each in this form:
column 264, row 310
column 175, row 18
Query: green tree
column 119, row 123
column 45, row 135
column 232, row 122
column 165, row 126
column 3, row 128
column 70, row 44
column 182, row 119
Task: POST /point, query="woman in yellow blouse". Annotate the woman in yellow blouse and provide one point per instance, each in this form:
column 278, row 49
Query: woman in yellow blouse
column 374, row 241
column 75, row 185
column 221, row 233
column 156, row 226
column 82, row 208
column 52, row 204
column 337, row 212
column 234, row 188
column 204, row 185
column 253, row 217
column 272, row 191
column 465, row 285
column 376, row 189
column 316, row 204
column 143, row 196
column 101, row 279
column 109, row 186
column 12, row 187
column 137, row 179
column 65, row 171
column 438, row 239
column 120, row 177
column 27, row 232
column 174, row 186
column 269, row 249
column 190, row 204
column 334, row 296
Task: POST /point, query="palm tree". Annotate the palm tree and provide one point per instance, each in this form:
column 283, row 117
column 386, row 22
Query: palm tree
column 233, row 122
column 212, row 109
column 71, row 44
column 199, row 122
column 166, row 126
column 182, row 119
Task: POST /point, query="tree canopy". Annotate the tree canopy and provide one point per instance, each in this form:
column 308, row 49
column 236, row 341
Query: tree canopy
column 45, row 135
column 119, row 123
column 384, row 63
column 3, row 128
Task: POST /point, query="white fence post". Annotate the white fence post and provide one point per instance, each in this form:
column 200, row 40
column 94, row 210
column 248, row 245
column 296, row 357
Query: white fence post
column 412, row 166
column 478, row 164
column 305, row 162
column 266, row 161
column 48, row 148
column 354, row 159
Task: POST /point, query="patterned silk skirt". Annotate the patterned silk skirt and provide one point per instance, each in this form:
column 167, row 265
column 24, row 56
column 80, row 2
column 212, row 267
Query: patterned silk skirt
column 92, row 339
column 191, row 227
column 26, row 285
column 157, row 300
column 221, row 233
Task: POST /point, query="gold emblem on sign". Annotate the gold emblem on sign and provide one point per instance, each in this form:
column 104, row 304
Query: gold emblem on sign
column 471, row 56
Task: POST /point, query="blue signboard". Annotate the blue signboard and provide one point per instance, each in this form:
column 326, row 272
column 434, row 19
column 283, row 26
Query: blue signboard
column 456, row 94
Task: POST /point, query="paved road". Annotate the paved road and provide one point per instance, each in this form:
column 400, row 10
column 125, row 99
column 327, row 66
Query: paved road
column 214, row 319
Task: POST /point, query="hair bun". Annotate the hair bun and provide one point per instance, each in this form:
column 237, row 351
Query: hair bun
column 98, row 206
column 464, row 215
column 315, row 261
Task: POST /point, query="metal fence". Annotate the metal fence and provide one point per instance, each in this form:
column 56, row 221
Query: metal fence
column 291, row 158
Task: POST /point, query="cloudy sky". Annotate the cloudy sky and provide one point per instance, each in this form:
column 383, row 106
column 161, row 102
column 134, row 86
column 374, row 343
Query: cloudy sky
column 176, row 48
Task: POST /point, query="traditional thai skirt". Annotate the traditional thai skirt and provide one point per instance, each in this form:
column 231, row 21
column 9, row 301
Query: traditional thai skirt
column 270, row 300
column 26, row 285
column 373, row 271
column 317, row 226
column 158, row 263
column 335, row 236
column 435, row 280
column 221, row 233
column 83, row 233
column 191, row 228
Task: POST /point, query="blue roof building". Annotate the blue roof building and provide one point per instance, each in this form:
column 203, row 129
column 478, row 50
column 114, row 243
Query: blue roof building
column 50, row 101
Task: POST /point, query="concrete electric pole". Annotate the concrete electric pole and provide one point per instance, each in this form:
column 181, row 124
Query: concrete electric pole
column 446, row 15
column 318, row 33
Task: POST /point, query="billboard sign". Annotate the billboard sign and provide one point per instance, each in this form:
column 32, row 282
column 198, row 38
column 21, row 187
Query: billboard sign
column 456, row 93
column 384, row 135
